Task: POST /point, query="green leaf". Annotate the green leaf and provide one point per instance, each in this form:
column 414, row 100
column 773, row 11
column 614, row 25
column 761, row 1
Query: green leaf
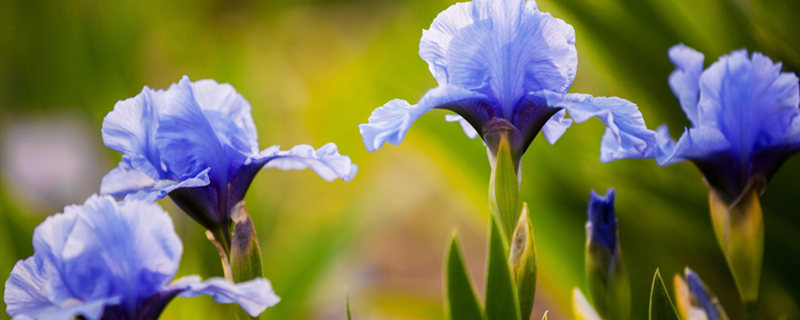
column 661, row 307
column 461, row 301
column 501, row 295
column 544, row 316
column 504, row 188
column 522, row 258
column 347, row 305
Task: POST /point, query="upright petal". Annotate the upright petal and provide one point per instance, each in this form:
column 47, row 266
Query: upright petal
column 187, row 139
column 749, row 101
column 509, row 51
column 253, row 296
column 228, row 113
column 685, row 80
column 436, row 40
column 131, row 127
column 626, row 134
column 501, row 49
column 390, row 122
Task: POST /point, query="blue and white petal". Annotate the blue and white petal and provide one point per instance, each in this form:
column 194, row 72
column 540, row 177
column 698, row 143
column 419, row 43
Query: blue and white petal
column 126, row 182
column 556, row 126
column 685, row 80
column 26, row 289
column 253, row 296
column 469, row 131
column 391, row 122
column 325, row 161
column 626, row 134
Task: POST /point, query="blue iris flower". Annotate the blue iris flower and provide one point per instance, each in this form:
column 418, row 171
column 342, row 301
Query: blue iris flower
column 504, row 65
column 601, row 228
column 744, row 115
column 112, row 260
column 197, row 143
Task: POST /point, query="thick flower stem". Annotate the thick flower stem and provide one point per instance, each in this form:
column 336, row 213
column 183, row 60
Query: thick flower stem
column 739, row 228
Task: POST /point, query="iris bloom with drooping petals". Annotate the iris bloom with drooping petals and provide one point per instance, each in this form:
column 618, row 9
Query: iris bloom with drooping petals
column 197, row 142
column 112, row 260
column 504, row 65
column 744, row 115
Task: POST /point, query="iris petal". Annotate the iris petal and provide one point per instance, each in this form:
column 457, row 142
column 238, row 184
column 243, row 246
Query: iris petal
column 745, row 121
column 124, row 181
column 92, row 256
column 684, row 81
column 391, row 122
column 325, row 161
column 626, row 134
column 469, row 131
column 556, row 126
column 253, row 296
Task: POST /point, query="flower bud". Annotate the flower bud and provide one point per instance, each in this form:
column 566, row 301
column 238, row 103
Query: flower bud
column 609, row 287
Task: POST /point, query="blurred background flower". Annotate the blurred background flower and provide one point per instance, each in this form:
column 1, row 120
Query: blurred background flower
column 312, row 70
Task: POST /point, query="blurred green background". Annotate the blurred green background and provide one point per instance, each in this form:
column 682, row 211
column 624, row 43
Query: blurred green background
column 314, row 70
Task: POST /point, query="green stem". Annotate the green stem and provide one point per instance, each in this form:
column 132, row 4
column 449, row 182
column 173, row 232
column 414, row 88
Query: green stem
column 751, row 310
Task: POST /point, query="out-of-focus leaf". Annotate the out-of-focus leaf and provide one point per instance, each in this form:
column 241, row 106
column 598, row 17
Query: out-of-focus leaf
column 522, row 258
column 661, row 307
column 544, row 316
column 461, row 301
column 501, row 295
column 347, row 306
